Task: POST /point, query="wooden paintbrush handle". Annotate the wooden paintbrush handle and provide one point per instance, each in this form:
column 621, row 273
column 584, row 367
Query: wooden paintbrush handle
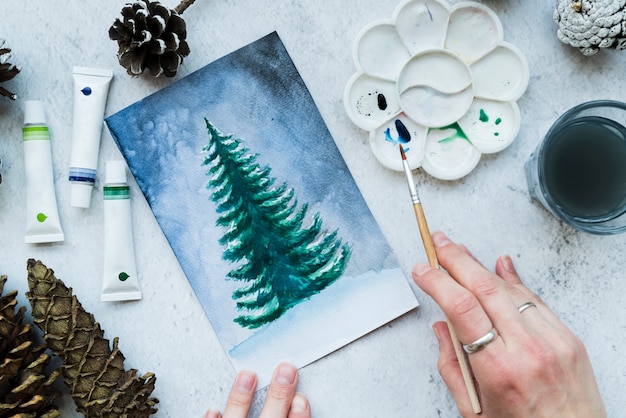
column 468, row 378
column 431, row 254
column 427, row 239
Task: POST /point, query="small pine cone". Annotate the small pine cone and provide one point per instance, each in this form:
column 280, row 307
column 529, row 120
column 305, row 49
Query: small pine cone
column 7, row 70
column 25, row 389
column 95, row 374
column 150, row 36
column 591, row 25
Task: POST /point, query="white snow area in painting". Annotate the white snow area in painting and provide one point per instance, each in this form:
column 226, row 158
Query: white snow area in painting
column 342, row 314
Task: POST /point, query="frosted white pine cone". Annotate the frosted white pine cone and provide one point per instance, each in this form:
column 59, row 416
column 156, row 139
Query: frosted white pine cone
column 590, row 25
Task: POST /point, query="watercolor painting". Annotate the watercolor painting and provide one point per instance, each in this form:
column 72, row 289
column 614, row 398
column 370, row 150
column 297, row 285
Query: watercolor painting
column 261, row 210
column 285, row 262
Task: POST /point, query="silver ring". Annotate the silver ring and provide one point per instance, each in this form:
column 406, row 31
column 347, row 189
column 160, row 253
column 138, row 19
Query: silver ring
column 481, row 343
column 525, row 306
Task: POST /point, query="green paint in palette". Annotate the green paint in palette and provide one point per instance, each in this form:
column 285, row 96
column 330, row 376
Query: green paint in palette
column 484, row 117
column 584, row 168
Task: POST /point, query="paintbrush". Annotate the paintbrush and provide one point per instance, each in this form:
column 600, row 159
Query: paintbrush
column 431, row 254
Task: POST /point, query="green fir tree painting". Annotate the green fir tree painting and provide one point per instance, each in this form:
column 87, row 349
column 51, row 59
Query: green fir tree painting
column 282, row 256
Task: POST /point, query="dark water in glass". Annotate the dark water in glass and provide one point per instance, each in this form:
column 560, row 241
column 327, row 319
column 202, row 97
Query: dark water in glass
column 585, row 168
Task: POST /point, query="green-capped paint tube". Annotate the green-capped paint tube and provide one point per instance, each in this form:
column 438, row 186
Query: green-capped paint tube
column 42, row 215
column 120, row 273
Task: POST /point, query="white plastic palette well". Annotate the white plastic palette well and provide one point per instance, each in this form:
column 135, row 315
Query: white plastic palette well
column 441, row 81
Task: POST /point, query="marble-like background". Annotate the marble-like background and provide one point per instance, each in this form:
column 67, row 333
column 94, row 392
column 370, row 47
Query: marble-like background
column 392, row 371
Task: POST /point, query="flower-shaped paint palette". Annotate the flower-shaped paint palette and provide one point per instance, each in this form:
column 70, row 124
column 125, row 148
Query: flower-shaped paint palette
column 439, row 80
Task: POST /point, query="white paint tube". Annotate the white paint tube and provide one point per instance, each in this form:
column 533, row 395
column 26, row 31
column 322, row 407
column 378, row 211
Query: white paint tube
column 91, row 88
column 120, row 273
column 42, row 215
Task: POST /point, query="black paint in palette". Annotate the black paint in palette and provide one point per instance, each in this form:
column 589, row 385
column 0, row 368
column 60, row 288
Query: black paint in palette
column 584, row 167
column 382, row 101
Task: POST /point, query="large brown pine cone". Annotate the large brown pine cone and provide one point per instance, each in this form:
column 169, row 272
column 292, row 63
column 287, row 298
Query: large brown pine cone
column 95, row 374
column 25, row 387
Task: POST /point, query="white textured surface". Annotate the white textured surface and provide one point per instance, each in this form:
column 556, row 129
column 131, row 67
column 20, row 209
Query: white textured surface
column 392, row 371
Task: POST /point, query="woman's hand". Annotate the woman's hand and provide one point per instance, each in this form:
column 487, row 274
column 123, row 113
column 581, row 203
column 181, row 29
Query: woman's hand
column 281, row 401
column 535, row 366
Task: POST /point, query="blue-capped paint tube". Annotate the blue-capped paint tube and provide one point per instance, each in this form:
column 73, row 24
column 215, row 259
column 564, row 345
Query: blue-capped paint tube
column 120, row 273
column 91, row 88
column 42, row 215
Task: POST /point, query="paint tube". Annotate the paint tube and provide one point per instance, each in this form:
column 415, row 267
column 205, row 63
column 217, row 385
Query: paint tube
column 42, row 215
column 120, row 274
column 91, row 87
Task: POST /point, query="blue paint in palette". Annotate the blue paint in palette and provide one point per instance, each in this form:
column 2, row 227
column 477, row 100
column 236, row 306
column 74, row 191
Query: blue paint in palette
column 404, row 136
column 403, row 133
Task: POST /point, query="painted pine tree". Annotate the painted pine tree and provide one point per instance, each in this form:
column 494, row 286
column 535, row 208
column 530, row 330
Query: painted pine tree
column 279, row 259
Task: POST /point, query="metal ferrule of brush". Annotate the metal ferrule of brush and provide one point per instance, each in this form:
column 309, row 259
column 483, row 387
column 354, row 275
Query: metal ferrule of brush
column 409, row 181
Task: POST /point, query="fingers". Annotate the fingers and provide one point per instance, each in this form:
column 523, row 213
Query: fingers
column 459, row 304
column 282, row 394
column 474, row 298
column 484, row 285
column 240, row 397
column 506, row 270
column 521, row 294
column 281, row 401
column 300, row 407
column 211, row 413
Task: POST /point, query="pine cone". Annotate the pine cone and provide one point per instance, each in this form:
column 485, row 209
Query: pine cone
column 590, row 25
column 95, row 374
column 150, row 36
column 25, row 390
column 7, row 70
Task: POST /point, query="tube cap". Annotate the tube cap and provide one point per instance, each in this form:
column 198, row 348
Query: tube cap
column 34, row 113
column 115, row 172
column 80, row 195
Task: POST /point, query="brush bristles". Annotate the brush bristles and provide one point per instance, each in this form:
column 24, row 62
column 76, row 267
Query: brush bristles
column 402, row 152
